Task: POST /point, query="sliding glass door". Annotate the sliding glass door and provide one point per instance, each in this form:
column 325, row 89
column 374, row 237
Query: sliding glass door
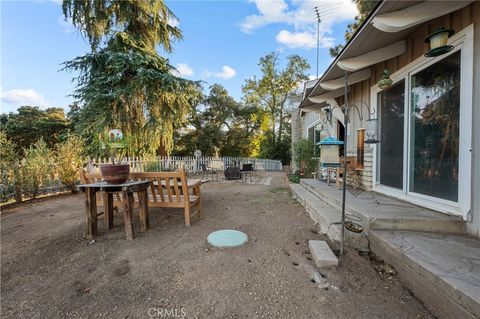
column 434, row 129
column 391, row 104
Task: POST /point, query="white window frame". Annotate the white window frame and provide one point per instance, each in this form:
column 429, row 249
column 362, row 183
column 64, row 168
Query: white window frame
column 463, row 40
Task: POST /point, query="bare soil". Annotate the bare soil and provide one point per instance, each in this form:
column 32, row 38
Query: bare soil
column 50, row 270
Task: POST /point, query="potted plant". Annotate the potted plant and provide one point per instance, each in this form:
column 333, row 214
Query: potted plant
column 115, row 148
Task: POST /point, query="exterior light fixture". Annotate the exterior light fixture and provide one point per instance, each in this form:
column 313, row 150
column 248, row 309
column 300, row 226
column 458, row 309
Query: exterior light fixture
column 438, row 42
column 328, row 113
column 385, row 82
column 329, row 152
column 372, row 131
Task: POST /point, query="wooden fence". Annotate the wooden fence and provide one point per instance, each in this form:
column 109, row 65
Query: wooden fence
column 191, row 164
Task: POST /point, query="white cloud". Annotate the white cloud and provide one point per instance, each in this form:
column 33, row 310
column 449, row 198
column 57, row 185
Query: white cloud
column 19, row 97
column 300, row 15
column 273, row 11
column 226, row 73
column 184, row 69
column 296, row 39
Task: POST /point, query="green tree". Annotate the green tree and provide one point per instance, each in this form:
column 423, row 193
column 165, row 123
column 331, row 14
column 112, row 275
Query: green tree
column 9, row 169
column 145, row 24
column 272, row 92
column 221, row 125
column 30, row 124
column 124, row 82
column 37, row 168
column 70, row 158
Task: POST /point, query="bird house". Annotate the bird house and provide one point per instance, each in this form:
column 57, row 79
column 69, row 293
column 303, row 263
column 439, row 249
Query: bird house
column 329, row 152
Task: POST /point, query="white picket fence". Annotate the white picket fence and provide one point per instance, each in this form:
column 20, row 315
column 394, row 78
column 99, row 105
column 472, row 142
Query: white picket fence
column 191, row 164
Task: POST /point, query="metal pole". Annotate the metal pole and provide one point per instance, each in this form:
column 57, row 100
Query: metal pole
column 318, row 42
column 345, row 119
column 317, row 12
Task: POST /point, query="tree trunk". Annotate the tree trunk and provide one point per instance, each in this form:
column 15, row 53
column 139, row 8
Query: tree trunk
column 280, row 125
column 18, row 194
column 16, row 178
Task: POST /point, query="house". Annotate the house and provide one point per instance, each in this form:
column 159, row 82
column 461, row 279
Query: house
column 418, row 106
column 428, row 119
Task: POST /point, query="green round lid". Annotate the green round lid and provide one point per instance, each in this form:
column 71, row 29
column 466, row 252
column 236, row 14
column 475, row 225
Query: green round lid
column 227, row 238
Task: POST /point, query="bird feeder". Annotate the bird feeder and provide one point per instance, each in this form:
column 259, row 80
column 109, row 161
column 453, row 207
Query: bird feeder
column 115, row 137
column 371, row 130
column 385, row 82
column 329, row 152
column 438, row 42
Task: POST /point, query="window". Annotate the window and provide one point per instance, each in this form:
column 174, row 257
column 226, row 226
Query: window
column 315, row 135
column 434, row 133
column 433, row 168
column 391, row 104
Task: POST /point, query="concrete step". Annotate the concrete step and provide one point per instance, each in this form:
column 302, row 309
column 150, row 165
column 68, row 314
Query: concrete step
column 443, row 270
column 378, row 212
column 322, row 254
column 328, row 218
column 318, row 210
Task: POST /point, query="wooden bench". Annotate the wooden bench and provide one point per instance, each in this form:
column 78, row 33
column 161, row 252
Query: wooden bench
column 166, row 190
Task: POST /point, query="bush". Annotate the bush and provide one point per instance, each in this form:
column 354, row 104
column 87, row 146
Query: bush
column 9, row 170
column 70, row 159
column 36, row 168
column 304, row 153
column 295, row 178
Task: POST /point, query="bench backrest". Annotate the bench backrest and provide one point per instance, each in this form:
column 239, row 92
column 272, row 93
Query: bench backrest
column 168, row 187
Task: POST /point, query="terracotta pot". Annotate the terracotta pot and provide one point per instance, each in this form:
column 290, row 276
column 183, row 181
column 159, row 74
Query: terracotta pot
column 115, row 173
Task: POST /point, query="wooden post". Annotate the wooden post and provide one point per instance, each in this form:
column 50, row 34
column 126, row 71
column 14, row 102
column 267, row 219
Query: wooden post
column 108, row 210
column 91, row 211
column 128, row 214
column 143, row 203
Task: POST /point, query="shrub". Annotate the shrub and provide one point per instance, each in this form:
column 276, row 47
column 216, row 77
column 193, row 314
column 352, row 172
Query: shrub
column 304, row 153
column 36, row 168
column 9, row 170
column 295, row 178
column 70, row 159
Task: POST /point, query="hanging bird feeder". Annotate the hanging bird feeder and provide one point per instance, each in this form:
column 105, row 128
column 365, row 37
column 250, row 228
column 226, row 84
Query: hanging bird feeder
column 372, row 131
column 438, row 42
column 385, row 82
column 329, row 152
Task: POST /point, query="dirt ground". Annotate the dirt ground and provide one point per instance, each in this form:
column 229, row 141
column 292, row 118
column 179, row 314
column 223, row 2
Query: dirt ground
column 50, row 270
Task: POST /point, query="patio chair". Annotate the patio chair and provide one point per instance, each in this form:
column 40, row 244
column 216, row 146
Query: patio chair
column 206, row 170
column 247, row 170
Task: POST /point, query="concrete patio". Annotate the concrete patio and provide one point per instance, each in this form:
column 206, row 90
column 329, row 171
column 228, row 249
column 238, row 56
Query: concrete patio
column 429, row 249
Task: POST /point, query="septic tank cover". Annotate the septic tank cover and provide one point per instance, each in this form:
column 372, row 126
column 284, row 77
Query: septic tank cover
column 227, row 238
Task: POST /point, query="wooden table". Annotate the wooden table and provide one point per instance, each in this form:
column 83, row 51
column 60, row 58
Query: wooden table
column 127, row 189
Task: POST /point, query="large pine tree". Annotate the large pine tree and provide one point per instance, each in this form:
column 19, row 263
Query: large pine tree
column 124, row 82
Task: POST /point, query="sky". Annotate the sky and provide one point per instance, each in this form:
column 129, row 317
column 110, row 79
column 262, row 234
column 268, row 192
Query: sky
column 222, row 43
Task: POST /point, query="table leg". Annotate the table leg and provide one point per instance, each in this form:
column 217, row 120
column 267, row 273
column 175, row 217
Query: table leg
column 91, row 212
column 143, row 203
column 128, row 214
column 108, row 210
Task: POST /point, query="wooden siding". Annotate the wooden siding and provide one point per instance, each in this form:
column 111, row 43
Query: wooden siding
column 416, row 47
